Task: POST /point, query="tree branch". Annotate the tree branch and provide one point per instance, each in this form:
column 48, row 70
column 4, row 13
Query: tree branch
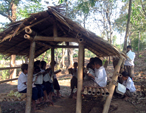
column 7, row 16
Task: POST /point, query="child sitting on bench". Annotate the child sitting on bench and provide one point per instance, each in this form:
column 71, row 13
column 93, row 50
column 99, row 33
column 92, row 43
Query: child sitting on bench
column 100, row 74
column 22, row 85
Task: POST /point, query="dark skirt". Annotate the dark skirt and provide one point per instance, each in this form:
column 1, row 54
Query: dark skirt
column 34, row 93
column 40, row 88
column 48, row 86
column 56, row 84
column 73, row 82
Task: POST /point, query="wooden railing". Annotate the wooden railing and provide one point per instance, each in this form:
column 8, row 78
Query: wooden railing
column 6, row 68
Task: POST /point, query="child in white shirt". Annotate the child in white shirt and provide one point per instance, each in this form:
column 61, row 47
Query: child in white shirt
column 22, row 85
column 100, row 74
column 129, row 84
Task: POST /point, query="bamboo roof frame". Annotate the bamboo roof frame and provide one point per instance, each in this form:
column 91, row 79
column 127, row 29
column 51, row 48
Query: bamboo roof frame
column 51, row 28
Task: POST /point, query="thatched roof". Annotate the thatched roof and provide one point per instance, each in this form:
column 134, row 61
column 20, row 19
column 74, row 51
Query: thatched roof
column 12, row 39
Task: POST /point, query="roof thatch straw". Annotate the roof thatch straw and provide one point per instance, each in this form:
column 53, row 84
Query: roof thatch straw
column 12, row 39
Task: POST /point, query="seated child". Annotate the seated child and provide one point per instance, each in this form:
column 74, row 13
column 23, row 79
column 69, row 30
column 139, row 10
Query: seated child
column 129, row 84
column 22, row 85
column 74, row 73
column 39, row 83
column 88, row 80
column 100, row 73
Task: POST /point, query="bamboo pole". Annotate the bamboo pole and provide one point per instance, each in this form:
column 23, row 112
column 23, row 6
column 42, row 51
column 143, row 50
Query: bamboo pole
column 8, row 80
column 112, row 86
column 6, row 68
column 28, row 30
column 80, row 79
column 65, row 39
column 29, row 78
column 52, row 60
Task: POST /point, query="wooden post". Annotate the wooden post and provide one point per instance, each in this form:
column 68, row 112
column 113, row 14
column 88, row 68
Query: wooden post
column 52, row 60
column 29, row 78
column 80, row 78
column 112, row 86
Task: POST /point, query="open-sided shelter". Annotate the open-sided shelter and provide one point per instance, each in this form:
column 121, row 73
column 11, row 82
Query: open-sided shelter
column 45, row 30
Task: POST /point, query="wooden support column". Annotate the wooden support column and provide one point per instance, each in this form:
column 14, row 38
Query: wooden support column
column 30, row 76
column 112, row 86
column 52, row 60
column 80, row 78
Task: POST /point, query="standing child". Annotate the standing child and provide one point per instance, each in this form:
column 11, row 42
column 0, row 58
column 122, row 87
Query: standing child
column 74, row 73
column 129, row 84
column 22, row 87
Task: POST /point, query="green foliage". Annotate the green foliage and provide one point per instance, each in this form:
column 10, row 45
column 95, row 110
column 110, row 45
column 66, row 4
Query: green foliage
column 103, row 62
column 140, row 56
column 5, row 74
column 75, row 55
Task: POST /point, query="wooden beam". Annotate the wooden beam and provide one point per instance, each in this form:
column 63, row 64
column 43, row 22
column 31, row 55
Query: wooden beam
column 6, row 68
column 29, row 31
column 29, row 78
column 80, row 78
column 112, row 86
column 26, row 36
column 59, row 46
column 3, row 81
column 52, row 60
column 58, row 39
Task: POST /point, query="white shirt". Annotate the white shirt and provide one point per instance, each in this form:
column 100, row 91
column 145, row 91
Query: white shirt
column 21, row 80
column 101, row 77
column 47, row 77
column 129, row 84
column 130, row 61
column 39, row 79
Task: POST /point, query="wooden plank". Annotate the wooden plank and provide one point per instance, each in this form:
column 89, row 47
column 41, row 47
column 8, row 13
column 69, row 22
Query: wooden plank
column 58, row 39
column 112, row 86
column 6, row 68
column 80, row 78
column 59, row 46
column 29, row 78
column 3, row 81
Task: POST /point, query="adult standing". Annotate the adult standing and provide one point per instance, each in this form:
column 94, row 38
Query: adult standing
column 129, row 63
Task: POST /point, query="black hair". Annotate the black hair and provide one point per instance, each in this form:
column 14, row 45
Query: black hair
column 88, row 65
column 129, row 46
column 125, row 74
column 54, row 63
column 97, row 61
column 36, row 63
column 91, row 59
column 24, row 67
column 37, row 69
column 43, row 63
column 75, row 63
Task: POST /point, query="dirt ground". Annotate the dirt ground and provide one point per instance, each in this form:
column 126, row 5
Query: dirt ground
column 68, row 105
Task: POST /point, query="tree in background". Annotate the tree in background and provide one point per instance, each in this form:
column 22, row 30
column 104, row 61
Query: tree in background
column 8, row 9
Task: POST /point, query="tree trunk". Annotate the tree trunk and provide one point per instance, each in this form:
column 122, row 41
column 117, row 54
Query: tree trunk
column 127, row 27
column 13, row 57
column 138, row 43
column 63, row 56
column 12, row 64
column 70, row 57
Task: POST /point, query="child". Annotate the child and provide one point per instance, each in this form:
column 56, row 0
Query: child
column 22, row 87
column 89, row 81
column 100, row 73
column 39, row 83
column 74, row 73
column 55, row 81
column 129, row 84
